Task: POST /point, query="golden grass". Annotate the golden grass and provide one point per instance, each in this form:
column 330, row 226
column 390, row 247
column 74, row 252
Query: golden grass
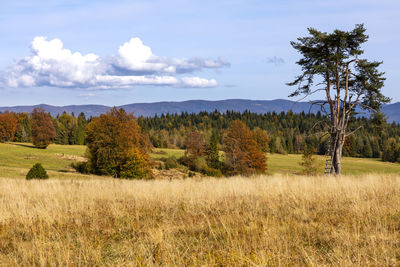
column 267, row 221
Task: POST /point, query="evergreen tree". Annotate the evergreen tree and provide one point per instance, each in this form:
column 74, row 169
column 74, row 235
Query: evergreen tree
column 37, row 172
column 24, row 132
column 333, row 59
column 80, row 129
column 213, row 152
column 367, row 149
column 308, row 162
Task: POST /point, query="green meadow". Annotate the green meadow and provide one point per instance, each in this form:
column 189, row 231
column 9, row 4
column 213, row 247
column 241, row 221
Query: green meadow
column 17, row 158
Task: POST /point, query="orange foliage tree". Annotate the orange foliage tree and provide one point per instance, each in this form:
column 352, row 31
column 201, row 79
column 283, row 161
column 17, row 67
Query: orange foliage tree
column 262, row 139
column 243, row 155
column 117, row 146
column 43, row 131
column 195, row 145
column 8, row 126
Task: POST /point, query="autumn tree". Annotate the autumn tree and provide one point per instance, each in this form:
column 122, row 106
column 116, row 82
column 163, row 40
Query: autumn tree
column 8, row 126
column 43, row 131
column 242, row 153
column 195, row 145
column 117, row 146
column 262, row 139
column 331, row 64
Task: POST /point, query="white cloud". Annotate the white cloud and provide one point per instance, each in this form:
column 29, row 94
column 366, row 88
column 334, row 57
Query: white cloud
column 135, row 64
column 198, row 82
column 134, row 56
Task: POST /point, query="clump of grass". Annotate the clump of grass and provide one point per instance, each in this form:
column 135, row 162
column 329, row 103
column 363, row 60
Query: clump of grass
column 266, row 221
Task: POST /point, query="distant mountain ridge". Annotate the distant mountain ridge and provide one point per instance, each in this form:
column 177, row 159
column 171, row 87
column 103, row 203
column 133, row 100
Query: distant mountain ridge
column 392, row 111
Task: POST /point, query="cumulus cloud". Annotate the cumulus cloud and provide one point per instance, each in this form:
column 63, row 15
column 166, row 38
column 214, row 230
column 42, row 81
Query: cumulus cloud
column 50, row 64
column 197, row 82
column 135, row 57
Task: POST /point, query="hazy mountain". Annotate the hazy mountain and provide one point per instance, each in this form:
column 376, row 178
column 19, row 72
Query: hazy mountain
column 195, row 106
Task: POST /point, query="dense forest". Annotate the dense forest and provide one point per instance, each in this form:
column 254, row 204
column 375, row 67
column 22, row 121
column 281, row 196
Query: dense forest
column 287, row 132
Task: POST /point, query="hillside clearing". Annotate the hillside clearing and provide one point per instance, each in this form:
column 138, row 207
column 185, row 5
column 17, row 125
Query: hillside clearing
column 17, row 158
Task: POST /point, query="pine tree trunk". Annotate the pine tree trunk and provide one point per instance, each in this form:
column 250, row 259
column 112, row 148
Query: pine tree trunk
column 337, row 142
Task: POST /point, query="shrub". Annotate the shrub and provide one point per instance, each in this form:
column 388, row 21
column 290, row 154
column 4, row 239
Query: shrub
column 308, row 162
column 171, row 163
column 212, row 172
column 135, row 165
column 81, row 167
column 200, row 164
column 37, row 172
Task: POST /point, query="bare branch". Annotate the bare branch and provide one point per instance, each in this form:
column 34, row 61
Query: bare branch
column 307, row 95
column 352, row 132
column 368, row 107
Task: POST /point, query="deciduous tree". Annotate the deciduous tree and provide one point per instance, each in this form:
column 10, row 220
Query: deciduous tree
column 8, row 126
column 117, row 146
column 242, row 153
column 195, row 145
column 262, row 139
column 43, row 131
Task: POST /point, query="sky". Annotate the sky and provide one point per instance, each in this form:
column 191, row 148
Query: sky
column 119, row 52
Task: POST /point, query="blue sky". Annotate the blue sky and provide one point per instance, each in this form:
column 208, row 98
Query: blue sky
column 152, row 50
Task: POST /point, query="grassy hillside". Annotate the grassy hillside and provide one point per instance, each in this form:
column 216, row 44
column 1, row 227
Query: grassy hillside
column 263, row 221
column 17, row 158
column 289, row 164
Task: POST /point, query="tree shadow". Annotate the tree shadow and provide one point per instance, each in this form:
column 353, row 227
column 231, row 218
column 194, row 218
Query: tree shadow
column 24, row 145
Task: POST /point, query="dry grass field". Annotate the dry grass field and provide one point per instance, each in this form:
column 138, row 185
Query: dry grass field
column 266, row 221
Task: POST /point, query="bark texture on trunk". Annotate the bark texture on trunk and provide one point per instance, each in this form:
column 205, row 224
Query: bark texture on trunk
column 336, row 143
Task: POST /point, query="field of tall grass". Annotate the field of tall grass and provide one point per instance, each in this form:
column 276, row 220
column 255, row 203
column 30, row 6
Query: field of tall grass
column 265, row 220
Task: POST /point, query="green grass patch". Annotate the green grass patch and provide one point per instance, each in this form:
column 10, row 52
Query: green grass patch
column 166, row 152
column 17, row 158
column 278, row 163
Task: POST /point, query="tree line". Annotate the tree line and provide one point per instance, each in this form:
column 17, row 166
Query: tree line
column 285, row 132
column 42, row 129
column 288, row 132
